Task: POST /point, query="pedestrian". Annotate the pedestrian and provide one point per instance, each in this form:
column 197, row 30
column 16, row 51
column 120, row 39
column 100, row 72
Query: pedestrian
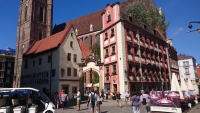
column 127, row 97
column 118, row 96
column 91, row 99
column 56, row 97
column 102, row 95
column 99, row 102
column 135, row 102
column 64, row 99
column 63, row 90
column 78, row 97
column 144, row 100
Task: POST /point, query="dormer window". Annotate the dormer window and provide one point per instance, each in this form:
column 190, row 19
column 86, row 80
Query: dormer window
column 76, row 32
column 108, row 15
column 112, row 32
column 91, row 27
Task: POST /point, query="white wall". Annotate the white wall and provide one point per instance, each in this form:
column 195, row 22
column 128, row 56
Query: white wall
column 121, row 57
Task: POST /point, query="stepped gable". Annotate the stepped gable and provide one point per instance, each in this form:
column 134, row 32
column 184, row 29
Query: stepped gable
column 85, row 50
column 48, row 43
column 82, row 23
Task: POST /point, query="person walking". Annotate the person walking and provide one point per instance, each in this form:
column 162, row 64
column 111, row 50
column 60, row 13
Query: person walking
column 118, row 96
column 91, row 99
column 99, row 102
column 144, row 100
column 127, row 97
column 135, row 102
column 56, row 97
column 78, row 97
column 102, row 95
column 64, row 99
column 60, row 94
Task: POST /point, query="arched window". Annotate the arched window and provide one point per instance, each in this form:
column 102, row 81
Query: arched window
column 40, row 35
column 25, row 13
column 41, row 14
column 88, row 41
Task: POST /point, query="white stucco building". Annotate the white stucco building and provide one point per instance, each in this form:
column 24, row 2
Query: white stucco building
column 52, row 63
column 187, row 69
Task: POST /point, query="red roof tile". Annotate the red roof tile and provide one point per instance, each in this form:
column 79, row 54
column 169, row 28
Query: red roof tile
column 85, row 49
column 48, row 43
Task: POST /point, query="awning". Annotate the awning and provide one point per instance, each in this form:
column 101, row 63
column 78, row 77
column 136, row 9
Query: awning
column 183, row 85
column 89, row 85
column 175, row 85
column 97, row 85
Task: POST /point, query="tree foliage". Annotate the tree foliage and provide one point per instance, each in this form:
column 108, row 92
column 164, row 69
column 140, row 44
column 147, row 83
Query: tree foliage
column 95, row 78
column 96, row 50
column 147, row 15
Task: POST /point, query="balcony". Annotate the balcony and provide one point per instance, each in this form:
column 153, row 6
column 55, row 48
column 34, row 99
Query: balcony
column 152, row 62
column 135, row 40
column 129, row 38
column 146, row 45
column 151, row 47
column 136, row 58
column 148, row 61
column 141, row 43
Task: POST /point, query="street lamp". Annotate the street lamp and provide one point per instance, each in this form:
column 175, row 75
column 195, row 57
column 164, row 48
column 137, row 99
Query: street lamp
column 190, row 24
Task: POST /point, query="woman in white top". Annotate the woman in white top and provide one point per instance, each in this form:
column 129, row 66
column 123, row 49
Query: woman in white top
column 98, row 102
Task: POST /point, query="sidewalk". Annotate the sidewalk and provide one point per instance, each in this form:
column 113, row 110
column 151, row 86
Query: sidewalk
column 195, row 109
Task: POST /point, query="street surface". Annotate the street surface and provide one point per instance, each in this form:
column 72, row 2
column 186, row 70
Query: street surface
column 110, row 106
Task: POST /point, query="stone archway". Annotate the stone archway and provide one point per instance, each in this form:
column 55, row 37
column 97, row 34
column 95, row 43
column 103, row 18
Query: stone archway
column 90, row 63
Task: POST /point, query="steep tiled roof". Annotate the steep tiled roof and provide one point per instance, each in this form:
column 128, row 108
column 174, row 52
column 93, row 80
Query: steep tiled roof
column 85, row 49
column 183, row 56
column 82, row 23
column 48, row 43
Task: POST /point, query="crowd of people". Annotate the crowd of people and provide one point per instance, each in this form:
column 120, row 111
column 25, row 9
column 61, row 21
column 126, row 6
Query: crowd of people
column 95, row 98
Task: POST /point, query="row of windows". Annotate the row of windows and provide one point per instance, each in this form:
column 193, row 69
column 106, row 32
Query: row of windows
column 111, row 34
column 113, row 70
column 69, row 57
column 112, row 49
column 39, row 62
column 69, row 72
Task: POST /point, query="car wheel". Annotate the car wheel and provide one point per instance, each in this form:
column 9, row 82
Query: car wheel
column 49, row 112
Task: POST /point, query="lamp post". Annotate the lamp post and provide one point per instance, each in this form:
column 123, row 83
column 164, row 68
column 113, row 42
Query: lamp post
column 190, row 26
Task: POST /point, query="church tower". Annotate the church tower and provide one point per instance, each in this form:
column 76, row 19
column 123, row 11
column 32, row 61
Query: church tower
column 34, row 23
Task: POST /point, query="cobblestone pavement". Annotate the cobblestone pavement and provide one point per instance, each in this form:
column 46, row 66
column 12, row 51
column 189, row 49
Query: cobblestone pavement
column 108, row 106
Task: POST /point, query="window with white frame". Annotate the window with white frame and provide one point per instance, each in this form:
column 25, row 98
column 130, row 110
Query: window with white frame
column 187, row 71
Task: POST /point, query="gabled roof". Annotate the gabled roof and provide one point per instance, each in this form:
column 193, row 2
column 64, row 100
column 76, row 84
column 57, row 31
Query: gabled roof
column 83, row 23
column 85, row 50
column 183, row 56
column 48, row 43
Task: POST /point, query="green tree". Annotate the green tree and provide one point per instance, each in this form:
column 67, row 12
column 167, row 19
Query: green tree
column 147, row 15
column 95, row 78
column 96, row 50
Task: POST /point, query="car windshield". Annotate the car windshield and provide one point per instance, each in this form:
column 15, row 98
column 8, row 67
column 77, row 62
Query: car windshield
column 43, row 97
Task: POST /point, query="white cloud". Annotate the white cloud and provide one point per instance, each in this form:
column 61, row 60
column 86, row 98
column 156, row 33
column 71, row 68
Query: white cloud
column 176, row 32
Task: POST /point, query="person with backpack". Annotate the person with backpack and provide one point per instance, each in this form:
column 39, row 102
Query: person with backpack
column 144, row 100
column 91, row 99
column 135, row 102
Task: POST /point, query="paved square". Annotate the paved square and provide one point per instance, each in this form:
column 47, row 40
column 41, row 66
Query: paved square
column 108, row 106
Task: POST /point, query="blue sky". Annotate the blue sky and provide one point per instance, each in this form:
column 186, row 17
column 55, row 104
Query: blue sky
column 178, row 12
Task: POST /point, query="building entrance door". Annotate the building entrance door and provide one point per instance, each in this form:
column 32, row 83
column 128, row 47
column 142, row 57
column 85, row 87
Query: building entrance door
column 115, row 88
